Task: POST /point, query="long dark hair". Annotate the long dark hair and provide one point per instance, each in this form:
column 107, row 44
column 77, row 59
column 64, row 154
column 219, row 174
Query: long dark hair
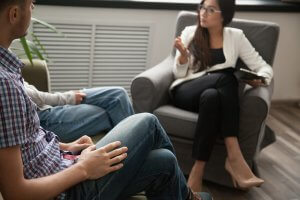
column 199, row 46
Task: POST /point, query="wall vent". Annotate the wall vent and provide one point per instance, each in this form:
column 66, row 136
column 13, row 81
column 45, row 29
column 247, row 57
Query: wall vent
column 92, row 55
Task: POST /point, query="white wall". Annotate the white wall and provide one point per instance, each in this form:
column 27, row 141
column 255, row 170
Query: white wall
column 286, row 64
column 287, row 59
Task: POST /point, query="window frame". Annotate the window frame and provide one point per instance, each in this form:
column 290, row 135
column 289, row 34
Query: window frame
column 241, row 5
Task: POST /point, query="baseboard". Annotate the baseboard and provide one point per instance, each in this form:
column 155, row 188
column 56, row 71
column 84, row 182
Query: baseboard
column 295, row 102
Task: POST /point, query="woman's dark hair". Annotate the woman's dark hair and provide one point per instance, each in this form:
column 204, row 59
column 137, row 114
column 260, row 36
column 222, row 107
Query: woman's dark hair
column 5, row 3
column 199, row 46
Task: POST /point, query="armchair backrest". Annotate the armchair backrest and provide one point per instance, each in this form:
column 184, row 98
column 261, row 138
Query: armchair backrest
column 262, row 35
column 37, row 74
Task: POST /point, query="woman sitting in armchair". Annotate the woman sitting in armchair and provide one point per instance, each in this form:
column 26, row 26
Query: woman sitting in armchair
column 204, row 65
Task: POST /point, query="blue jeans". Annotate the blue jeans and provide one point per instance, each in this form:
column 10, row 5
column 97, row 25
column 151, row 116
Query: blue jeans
column 150, row 166
column 101, row 110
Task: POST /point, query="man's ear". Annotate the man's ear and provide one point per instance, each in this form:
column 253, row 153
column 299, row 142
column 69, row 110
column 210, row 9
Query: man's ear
column 14, row 14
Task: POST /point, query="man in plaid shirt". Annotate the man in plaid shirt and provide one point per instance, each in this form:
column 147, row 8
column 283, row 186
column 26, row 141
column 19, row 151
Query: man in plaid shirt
column 35, row 165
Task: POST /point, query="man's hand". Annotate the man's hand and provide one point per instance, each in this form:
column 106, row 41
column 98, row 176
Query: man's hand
column 255, row 82
column 183, row 51
column 98, row 163
column 79, row 96
column 78, row 145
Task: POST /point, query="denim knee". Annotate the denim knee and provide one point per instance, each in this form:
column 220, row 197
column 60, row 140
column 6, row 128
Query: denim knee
column 165, row 162
column 121, row 92
column 148, row 118
column 167, row 158
column 149, row 121
column 124, row 99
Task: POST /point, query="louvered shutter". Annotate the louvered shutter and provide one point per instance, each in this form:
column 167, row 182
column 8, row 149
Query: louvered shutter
column 92, row 55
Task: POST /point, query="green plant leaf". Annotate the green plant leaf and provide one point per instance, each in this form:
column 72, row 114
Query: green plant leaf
column 47, row 25
column 26, row 49
column 38, row 42
column 35, row 50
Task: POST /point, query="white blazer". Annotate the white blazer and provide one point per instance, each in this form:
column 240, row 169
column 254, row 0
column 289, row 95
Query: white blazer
column 235, row 45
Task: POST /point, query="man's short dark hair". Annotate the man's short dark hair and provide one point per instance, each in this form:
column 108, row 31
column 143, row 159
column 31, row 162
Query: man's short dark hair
column 5, row 3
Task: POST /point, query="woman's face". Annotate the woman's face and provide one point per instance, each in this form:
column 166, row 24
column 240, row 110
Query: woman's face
column 210, row 14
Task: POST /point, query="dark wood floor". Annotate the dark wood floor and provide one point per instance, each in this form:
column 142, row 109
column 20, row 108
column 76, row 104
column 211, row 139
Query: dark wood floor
column 278, row 164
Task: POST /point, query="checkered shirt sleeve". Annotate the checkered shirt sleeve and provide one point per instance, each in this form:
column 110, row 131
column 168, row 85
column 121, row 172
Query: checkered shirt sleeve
column 12, row 115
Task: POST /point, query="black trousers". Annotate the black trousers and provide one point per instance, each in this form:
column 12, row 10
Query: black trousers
column 214, row 97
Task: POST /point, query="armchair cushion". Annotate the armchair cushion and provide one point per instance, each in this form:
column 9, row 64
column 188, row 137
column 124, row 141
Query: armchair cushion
column 176, row 121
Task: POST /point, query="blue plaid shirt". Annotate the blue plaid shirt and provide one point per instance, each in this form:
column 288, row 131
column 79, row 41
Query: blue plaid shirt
column 20, row 125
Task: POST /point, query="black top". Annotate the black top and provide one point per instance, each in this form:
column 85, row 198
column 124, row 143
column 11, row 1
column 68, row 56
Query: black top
column 217, row 56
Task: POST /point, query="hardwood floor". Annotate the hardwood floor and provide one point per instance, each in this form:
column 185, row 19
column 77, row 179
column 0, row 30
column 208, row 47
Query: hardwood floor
column 278, row 164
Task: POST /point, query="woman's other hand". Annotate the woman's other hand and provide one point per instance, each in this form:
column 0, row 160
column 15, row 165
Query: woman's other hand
column 255, row 82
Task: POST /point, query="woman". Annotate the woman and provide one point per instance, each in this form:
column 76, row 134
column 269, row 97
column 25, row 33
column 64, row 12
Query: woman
column 205, row 60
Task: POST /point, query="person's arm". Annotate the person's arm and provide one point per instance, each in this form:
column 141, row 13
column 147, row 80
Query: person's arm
column 14, row 186
column 253, row 60
column 52, row 99
column 92, row 164
column 182, row 57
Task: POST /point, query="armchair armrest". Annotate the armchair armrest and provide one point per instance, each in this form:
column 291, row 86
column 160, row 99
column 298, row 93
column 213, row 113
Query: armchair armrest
column 149, row 89
column 252, row 96
column 254, row 107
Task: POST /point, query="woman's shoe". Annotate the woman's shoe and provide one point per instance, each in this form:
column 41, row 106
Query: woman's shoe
column 239, row 181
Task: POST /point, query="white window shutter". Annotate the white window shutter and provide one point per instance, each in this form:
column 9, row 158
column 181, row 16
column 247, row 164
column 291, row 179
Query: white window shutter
column 94, row 55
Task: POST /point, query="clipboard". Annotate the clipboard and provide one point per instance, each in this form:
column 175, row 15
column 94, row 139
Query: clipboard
column 247, row 75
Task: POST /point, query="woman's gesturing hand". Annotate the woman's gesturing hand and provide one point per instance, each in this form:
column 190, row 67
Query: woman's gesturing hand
column 99, row 162
column 181, row 48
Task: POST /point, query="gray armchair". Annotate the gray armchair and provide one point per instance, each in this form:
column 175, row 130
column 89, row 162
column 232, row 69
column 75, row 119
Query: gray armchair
column 150, row 94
